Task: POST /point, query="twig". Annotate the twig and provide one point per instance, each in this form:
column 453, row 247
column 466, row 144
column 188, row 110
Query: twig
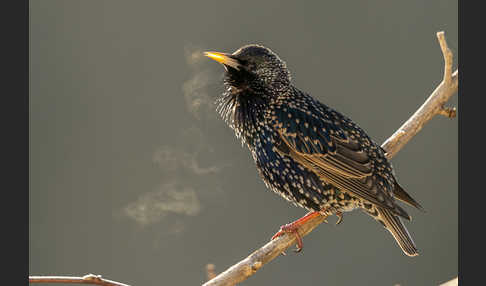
column 86, row 279
column 433, row 105
column 210, row 268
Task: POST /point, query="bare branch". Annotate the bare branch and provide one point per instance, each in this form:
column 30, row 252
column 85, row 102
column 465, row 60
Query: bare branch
column 433, row 105
column 86, row 279
column 248, row 266
column 453, row 282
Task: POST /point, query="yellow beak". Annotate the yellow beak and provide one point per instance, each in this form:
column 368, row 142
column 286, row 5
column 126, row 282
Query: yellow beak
column 223, row 58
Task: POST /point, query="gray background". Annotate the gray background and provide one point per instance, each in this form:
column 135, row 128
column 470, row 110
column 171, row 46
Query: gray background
column 133, row 175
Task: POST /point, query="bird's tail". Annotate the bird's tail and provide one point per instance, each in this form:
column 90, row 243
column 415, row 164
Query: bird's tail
column 402, row 195
column 395, row 225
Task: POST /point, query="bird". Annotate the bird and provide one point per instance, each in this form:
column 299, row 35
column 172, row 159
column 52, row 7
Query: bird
column 305, row 151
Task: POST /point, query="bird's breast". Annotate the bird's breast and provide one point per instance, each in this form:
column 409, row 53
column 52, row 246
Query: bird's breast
column 293, row 181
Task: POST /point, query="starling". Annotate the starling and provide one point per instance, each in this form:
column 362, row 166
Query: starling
column 307, row 152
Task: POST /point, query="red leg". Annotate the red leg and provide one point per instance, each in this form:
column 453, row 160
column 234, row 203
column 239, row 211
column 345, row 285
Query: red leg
column 293, row 228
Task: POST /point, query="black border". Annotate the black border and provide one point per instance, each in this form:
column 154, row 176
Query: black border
column 471, row 145
column 14, row 118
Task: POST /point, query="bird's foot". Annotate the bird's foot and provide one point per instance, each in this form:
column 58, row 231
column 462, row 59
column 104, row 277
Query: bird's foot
column 293, row 228
column 340, row 217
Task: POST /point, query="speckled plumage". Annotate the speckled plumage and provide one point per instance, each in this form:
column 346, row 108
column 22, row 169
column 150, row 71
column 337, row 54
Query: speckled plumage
column 305, row 151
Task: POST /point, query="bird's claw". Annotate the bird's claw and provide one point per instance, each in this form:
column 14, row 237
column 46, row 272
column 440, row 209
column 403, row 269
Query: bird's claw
column 293, row 228
column 290, row 228
column 340, row 217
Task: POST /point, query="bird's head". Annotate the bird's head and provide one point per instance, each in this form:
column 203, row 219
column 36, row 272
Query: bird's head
column 253, row 67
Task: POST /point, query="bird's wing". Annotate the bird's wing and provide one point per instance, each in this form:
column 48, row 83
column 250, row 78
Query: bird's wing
column 322, row 141
column 324, row 146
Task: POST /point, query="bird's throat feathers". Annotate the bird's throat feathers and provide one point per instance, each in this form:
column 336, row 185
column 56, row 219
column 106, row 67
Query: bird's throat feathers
column 243, row 109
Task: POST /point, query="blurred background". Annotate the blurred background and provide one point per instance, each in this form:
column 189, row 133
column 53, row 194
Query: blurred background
column 134, row 176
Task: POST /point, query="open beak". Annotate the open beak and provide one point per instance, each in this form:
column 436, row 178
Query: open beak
column 225, row 59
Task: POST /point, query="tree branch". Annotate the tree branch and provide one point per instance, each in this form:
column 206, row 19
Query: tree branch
column 86, row 279
column 433, row 105
column 453, row 282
